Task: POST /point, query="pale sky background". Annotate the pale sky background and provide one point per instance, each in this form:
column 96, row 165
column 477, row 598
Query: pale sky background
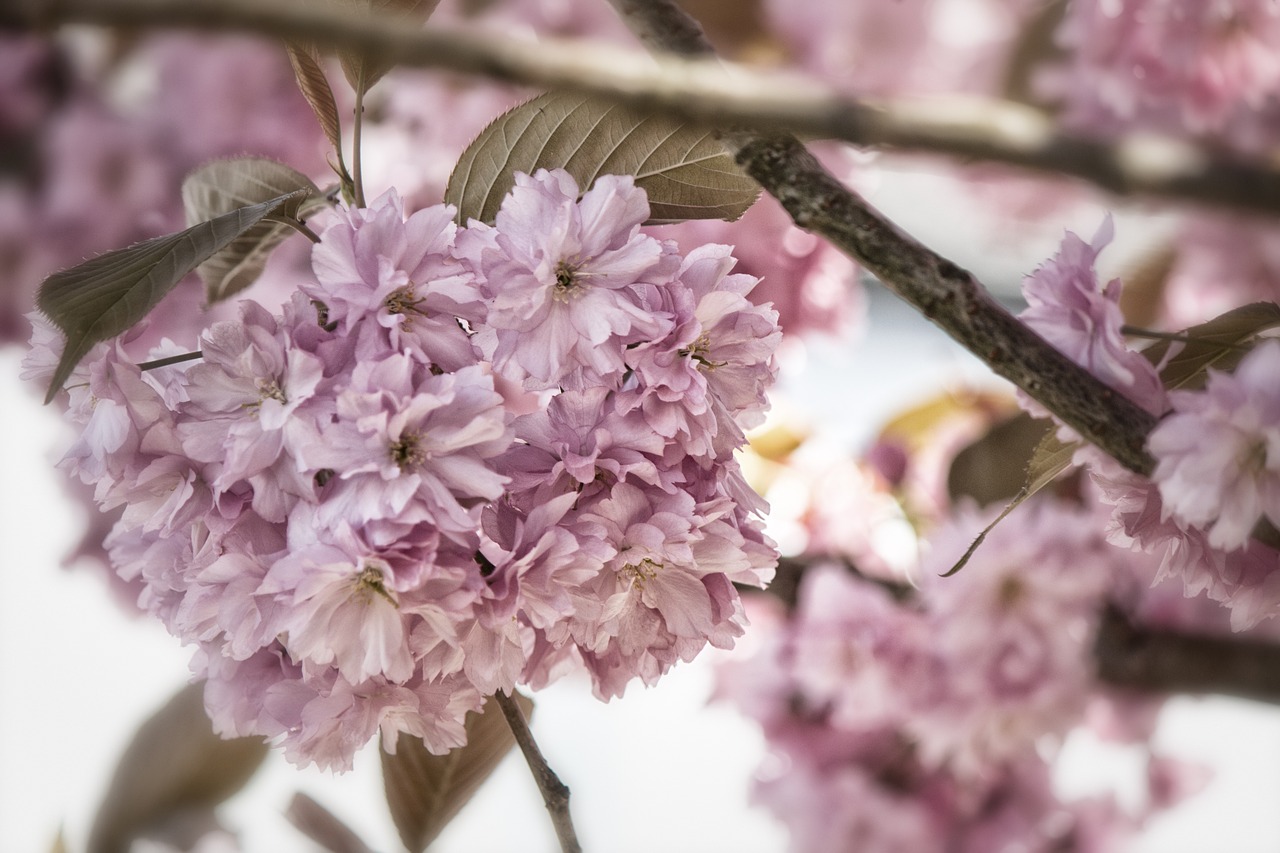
column 659, row 770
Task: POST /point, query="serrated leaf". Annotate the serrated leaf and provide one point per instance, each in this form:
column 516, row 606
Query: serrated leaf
column 221, row 186
column 362, row 69
column 323, row 826
column 1051, row 458
column 106, row 295
column 1219, row 344
column 683, row 167
column 319, row 94
column 425, row 791
column 174, row 764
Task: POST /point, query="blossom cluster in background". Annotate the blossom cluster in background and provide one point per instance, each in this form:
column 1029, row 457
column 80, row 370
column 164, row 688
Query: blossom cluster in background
column 929, row 718
column 459, row 460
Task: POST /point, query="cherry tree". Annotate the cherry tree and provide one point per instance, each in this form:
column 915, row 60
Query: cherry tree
column 444, row 389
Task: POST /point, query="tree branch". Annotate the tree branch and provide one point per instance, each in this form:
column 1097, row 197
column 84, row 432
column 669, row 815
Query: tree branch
column 948, row 295
column 555, row 794
column 1173, row 662
column 1124, row 654
column 970, row 128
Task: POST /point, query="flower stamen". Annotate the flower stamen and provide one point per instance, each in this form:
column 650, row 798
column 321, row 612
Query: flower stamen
column 370, row 583
column 639, row 573
column 407, row 452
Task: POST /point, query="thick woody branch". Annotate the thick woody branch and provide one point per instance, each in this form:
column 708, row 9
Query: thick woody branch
column 1172, row 662
column 699, row 88
column 1125, row 654
column 948, row 295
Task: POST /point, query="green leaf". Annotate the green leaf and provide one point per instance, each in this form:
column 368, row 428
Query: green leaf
column 362, row 69
column 1219, row 344
column 1051, row 458
column 425, row 791
column 684, row 169
column 174, row 765
column 106, row 295
column 222, row 186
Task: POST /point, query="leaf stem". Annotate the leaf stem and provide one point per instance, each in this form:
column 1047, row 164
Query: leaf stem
column 297, row 225
column 357, row 172
column 555, row 794
column 172, row 359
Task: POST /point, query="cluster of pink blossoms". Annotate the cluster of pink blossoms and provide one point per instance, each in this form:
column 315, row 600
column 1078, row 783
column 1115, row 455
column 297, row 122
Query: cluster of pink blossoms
column 929, row 719
column 461, row 459
column 1217, row 450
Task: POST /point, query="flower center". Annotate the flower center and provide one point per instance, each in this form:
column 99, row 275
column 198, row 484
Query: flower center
column 404, row 301
column 370, row 583
column 1009, row 592
column 568, row 285
column 638, row 573
column 408, row 452
column 268, row 389
column 1253, row 458
column 698, row 351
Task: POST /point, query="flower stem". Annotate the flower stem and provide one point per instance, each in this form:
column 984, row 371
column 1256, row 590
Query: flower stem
column 555, row 794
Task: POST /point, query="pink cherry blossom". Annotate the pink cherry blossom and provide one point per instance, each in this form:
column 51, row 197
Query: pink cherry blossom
column 1218, row 453
column 1069, row 308
column 568, row 279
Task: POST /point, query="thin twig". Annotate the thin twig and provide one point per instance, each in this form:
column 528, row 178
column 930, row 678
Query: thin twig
column 172, row 359
column 969, row 128
column 555, row 794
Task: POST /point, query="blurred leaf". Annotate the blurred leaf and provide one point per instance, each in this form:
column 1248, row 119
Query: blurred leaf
column 323, row 826
column 1219, row 343
column 778, row 441
column 319, row 94
column 471, row 8
column 683, row 168
column 994, row 467
column 1145, row 282
column 918, row 426
column 739, row 29
column 1051, row 458
column 425, row 791
column 59, row 844
column 1035, row 45
column 222, row 186
column 175, row 763
column 362, row 69
column 106, row 295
